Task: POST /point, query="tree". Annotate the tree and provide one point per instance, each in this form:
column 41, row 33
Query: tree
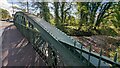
column 43, row 10
column 91, row 14
column 4, row 14
column 100, row 12
column 114, row 15
column 56, row 12
column 61, row 11
column 111, row 18
column 82, row 12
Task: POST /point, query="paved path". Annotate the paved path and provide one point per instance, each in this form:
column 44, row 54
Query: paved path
column 16, row 51
column 2, row 26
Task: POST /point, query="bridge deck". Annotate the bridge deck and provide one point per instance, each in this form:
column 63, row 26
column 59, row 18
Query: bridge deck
column 16, row 51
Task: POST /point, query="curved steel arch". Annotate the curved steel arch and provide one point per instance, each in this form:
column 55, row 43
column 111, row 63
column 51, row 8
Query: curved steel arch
column 55, row 47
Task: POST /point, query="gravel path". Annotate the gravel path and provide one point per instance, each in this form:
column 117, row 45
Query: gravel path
column 16, row 51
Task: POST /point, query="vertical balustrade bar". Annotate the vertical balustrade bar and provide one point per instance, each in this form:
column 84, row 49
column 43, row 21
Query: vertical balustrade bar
column 89, row 55
column 27, row 25
column 29, row 29
column 18, row 22
column 74, row 43
column 23, row 24
column 81, row 52
column 115, row 59
column 54, row 59
column 99, row 62
column 32, row 27
column 49, row 56
column 74, row 46
column 25, row 21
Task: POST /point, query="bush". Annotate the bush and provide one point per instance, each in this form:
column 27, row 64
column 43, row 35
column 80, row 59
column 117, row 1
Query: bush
column 108, row 31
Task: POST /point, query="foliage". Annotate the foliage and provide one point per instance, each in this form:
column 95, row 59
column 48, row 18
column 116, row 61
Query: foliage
column 112, row 17
column 108, row 31
column 112, row 54
column 4, row 14
column 95, row 17
column 43, row 10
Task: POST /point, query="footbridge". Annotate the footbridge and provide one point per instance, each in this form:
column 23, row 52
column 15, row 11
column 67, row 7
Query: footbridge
column 55, row 47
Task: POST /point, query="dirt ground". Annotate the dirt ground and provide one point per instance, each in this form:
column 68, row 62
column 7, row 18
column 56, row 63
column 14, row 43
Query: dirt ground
column 16, row 51
column 98, row 42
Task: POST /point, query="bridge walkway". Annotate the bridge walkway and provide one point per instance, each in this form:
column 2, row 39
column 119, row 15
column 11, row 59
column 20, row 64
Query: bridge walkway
column 16, row 50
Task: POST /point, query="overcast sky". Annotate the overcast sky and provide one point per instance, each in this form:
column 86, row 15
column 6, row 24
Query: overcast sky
column 7, row 4
column 4, row 4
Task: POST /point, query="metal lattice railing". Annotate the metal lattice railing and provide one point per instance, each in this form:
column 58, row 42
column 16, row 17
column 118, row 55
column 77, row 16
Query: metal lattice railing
column 55, row 47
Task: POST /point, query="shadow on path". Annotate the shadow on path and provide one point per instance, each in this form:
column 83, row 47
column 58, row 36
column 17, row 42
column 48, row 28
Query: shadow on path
column 16, row 51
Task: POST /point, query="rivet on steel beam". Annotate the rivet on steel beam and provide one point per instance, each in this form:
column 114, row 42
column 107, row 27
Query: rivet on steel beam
column 52, row 35
column 56, row 37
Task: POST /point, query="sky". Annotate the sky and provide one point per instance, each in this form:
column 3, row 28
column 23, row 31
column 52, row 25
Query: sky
column 4, row 4
column 7, row 4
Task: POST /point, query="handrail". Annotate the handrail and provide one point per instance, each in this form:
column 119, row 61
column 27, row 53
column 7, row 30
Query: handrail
column 94, row 54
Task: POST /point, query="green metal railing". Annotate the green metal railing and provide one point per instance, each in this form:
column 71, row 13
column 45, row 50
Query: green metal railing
column 55, row 47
